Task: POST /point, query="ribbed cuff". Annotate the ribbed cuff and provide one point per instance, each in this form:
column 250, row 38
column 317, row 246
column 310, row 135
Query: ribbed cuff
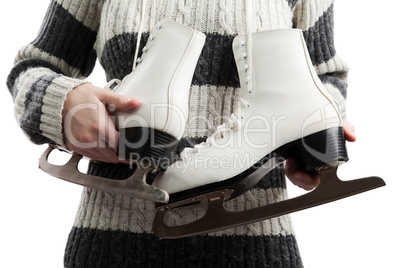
column 53, row 104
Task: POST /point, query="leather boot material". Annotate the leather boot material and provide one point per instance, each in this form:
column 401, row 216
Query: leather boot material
column 286, row 102
column 162, row 79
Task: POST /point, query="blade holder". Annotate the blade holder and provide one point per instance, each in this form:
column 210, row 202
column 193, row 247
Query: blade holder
column 133, row 186
column 216, row 218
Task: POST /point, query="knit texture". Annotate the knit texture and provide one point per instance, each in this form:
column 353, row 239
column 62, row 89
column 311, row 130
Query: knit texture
column 115, row 231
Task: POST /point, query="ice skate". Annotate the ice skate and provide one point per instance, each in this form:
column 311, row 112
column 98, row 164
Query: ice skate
column 284, row 111
column 149, row 135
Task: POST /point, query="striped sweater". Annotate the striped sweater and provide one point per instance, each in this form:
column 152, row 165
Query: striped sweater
column 115, row 231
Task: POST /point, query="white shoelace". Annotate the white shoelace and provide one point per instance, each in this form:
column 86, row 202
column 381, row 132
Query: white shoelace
column 234, row 122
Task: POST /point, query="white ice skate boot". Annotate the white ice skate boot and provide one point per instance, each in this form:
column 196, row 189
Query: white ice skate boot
column 284, row 111
column 149, row 135
column 161, row 82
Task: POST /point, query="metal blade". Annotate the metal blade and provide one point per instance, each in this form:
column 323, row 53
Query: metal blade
column 331, row 188
column 133, row 186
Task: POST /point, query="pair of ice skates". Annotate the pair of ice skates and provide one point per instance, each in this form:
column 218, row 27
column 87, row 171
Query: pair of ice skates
column 284, row 111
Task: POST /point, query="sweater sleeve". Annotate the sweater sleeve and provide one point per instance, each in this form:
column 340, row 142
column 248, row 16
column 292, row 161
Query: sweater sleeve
column 49, row 67
column 316, row 19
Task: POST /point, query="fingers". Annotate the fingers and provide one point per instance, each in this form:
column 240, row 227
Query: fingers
column 349, row 131
column 118, row 101
column 88, row 128
column 108, row 142
column 103, row 153
column 101, row 143
column 299, row 178
column 107, row 155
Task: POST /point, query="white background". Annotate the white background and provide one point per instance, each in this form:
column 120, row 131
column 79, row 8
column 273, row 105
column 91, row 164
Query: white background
column 37, row 211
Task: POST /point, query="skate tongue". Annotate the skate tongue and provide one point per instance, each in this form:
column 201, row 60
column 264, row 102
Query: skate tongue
column 216, row 218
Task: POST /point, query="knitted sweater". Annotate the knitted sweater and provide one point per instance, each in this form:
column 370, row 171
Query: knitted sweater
column 115, row 231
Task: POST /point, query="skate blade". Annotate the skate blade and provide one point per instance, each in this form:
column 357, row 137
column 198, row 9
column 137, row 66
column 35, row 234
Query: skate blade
column 133, row 186
column 216, row 218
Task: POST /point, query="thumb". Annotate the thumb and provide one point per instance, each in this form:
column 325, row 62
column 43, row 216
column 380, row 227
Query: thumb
column 117, row 101
column 349, row 131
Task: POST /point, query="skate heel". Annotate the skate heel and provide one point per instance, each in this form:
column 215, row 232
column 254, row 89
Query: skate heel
column 326, row 147
column 147, row 145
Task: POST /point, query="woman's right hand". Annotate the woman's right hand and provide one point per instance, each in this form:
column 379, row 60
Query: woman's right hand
column 88, row 128
column 310, row 181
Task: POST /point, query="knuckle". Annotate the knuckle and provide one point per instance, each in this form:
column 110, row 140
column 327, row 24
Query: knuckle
column 118, row 98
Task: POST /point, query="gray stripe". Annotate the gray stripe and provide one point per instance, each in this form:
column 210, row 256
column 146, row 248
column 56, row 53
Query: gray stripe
column 336, row 82
column 94, row 248
column 21, row 67
column 31, row 118
column 216, row 65
column 292, row 3
column 319, row 38
column 65, row 37
column 86, row 12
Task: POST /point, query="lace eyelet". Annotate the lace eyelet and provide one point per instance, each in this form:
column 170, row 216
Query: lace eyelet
column 246, row 80
column 245, row 68
column 139, row 60
column 250, row 91
column 248, row 105
column 151, row 38
column 159, row 26
column 145, row 50
column 242, row 43
column 244, row 56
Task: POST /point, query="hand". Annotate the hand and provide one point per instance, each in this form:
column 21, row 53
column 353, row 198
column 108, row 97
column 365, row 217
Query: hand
column 310, row 181
column 88, row 128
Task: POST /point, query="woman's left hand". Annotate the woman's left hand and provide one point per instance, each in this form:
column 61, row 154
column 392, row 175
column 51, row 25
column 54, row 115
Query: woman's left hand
column 310, row 181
